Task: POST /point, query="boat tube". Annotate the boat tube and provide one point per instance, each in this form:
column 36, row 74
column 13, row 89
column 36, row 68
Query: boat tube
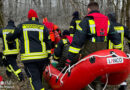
column 112, row 62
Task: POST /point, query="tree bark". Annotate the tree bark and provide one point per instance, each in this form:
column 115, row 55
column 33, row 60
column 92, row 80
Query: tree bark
column 91, row 1
column 1, row 15
column 128, row 14
column 75, row 5
column 122, row 12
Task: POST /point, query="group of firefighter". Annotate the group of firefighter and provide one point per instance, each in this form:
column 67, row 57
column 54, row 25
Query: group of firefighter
column 37, row 42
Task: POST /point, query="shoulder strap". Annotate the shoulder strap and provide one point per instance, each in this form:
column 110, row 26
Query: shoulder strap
column 93, row 29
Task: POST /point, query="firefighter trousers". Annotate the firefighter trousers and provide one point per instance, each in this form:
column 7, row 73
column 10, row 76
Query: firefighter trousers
column 13, row 67
column 34, row 71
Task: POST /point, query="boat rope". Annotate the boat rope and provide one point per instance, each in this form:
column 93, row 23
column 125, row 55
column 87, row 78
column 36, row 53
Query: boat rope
column 51, row 74
column 90, row 87
column 106, row 82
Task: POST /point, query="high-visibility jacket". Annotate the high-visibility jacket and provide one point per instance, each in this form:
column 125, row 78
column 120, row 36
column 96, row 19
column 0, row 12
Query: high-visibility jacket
column 87, row 32
column 123, row 32
column 74, row 25
column 34, row 38
column 9, row 48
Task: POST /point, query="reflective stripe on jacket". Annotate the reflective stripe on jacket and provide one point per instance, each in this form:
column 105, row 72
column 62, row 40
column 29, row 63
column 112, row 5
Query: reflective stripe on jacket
column 35, row 40
column 28, row 55
column 87, row 33
column 10, row 47
column 120, row 30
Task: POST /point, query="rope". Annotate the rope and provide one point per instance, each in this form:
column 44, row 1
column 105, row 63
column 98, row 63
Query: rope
column 106, row 82
column 90, row 87
column 57, row 76
column 62, row 71
column 49, row 71
column 103, row 87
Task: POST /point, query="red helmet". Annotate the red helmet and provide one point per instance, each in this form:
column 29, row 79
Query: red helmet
column 32, row 13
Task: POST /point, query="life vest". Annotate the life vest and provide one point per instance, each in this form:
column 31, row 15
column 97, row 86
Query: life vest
column 57, row 36
column 54, row 35
column 101, row 23
column 55, row 27
column 49, row 26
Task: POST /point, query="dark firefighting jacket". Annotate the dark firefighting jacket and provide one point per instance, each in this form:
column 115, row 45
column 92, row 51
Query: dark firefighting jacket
column 12, row 47
column 34, row 38
column 123, row 32
column 86, row 32
column 60, row 46
column 75, row 21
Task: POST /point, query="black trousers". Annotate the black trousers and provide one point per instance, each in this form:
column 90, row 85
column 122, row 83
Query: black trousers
column 12, row 66
column 34, row 71
column 11, row 60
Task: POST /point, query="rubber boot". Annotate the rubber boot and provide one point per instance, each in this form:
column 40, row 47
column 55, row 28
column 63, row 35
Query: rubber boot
column 123, row 87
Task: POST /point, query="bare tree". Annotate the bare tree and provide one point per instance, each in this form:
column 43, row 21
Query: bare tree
column 122, row 19
column 128, row 13
column 1, row 15
column 91, row 0
column 60, row 11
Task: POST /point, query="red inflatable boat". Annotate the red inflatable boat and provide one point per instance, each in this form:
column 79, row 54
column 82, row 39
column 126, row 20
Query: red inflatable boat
column 114, row 63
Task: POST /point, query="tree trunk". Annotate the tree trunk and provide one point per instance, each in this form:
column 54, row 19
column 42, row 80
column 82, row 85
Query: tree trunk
column 75, row 5
column 91, row 1
column 127, row 14
column 122, row 13
column 1, row 15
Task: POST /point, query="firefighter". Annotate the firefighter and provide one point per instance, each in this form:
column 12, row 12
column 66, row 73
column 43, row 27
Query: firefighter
column 61, row 49
column 121, row 29
column 10, row 52
column 74, row 22
column 35, row 48
column 92, row 34
column 123, row 32
column 95, row 37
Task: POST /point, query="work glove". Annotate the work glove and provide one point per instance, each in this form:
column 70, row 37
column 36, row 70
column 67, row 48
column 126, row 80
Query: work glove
column 67, row 62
